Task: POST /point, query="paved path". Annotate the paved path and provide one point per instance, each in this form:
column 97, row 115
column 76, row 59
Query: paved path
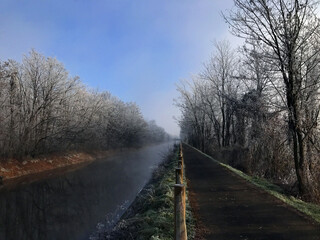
column 228, row 207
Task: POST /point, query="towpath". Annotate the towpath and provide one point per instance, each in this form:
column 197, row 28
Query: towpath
column 228, row 207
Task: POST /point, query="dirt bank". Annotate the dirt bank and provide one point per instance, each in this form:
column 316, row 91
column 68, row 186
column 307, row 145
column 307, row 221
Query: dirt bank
column 13, row 169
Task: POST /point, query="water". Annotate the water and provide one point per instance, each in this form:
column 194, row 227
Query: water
column 70, row 205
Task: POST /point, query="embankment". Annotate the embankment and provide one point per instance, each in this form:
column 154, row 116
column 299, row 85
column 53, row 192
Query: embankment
column 12, row 170
column 151, row 215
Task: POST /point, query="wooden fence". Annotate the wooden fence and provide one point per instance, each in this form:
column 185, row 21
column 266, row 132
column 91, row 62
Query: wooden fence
column 180, row 228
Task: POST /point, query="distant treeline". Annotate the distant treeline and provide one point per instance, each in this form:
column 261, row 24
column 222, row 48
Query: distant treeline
column 260, row 104
column 44, row 110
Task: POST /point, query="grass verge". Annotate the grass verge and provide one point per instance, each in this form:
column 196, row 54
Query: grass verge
column 312, row 210
column 151, row 215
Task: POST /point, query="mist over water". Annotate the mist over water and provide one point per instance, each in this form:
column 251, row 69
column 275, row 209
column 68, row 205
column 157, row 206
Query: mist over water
column 71, row 205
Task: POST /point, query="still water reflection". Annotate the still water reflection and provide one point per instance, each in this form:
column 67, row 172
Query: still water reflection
column 70, row 205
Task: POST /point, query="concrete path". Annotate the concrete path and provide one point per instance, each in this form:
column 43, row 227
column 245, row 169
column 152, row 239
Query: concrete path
column 228, row 207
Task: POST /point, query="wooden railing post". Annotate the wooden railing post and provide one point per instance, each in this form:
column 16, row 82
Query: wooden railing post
column 180, row 228
column 179, row 177
column 180, row 165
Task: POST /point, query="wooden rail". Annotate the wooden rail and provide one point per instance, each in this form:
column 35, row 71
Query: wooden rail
column 180, row 228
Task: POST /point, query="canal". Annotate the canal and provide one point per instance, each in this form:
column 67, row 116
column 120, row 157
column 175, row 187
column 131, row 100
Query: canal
column 70, row 205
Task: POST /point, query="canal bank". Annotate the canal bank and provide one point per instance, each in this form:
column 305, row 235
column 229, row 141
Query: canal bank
column 151, row 215
column 13, row 171
column 13, row 168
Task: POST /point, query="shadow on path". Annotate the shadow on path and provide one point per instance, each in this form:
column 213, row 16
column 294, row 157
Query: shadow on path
column 228, row 207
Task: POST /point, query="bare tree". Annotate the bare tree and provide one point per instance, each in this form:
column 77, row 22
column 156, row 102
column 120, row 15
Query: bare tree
column 44, row 109
column 288, row 31
column 220, row 71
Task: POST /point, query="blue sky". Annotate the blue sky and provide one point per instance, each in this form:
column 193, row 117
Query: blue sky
column 137, row 50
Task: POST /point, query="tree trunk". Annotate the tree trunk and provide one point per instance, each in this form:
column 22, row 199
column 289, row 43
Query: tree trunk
column 298, row 140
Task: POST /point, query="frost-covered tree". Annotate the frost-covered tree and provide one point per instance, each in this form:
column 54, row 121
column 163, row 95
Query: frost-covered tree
column 288, row 33
column 44, row 109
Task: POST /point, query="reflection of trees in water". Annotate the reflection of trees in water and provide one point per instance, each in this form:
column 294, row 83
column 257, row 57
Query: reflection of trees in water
column 45, row 208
